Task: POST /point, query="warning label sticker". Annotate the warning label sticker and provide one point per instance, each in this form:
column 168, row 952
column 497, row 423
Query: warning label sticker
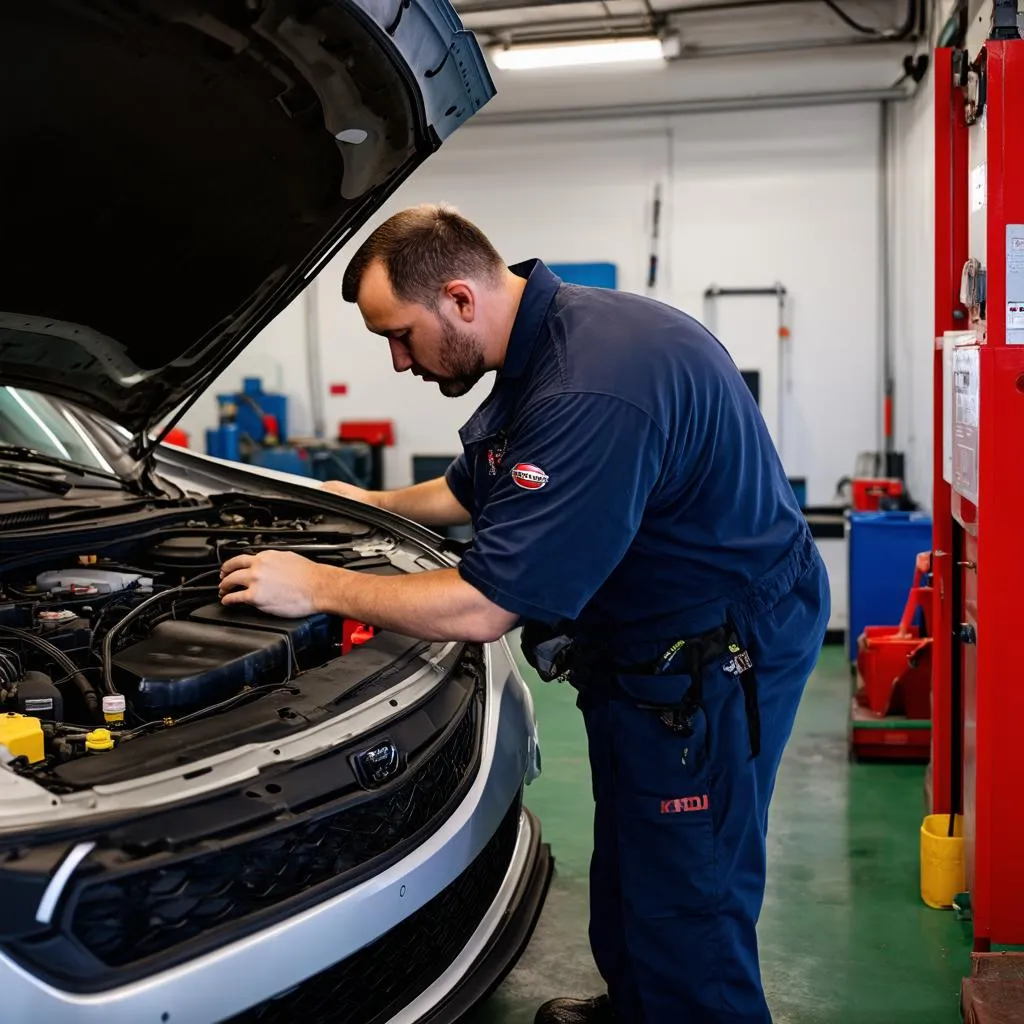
column 1015, row 284
column 966, row 387
column 966, row 418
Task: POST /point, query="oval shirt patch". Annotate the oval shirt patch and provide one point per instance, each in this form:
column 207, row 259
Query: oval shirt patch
column 531, row 478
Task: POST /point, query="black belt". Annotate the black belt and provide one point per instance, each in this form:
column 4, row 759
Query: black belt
column 593, row 665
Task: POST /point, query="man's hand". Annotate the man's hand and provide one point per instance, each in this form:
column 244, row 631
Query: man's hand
column 434, row 605
column 278, row 582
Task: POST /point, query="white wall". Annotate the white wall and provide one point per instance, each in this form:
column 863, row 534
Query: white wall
column 792, row 196
column 913, row 278
column 750, row 198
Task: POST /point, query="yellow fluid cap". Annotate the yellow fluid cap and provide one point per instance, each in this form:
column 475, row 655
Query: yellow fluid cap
column 114, row 709
column 99, row 739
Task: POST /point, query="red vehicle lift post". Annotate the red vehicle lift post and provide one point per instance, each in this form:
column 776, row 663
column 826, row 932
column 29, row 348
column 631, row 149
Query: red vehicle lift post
column 977, row 684
column 951, row 181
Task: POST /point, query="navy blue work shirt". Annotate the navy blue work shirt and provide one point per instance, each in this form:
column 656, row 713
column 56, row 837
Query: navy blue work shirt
column 620, row 470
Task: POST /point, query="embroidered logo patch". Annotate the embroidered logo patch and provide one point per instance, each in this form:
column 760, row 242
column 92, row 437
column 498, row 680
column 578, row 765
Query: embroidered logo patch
column 530, row 478
column 739, row 664
column 685, row 804
column 496, row 454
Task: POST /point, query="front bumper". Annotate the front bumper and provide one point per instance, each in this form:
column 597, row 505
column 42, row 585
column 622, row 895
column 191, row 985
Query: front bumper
column 248, row 977
column 440, row 962
column 508, row 943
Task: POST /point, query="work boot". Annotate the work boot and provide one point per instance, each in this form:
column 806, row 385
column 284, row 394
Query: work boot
column 577, row 1011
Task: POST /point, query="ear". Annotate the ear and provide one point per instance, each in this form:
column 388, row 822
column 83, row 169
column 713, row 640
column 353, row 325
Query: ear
column 462, row 294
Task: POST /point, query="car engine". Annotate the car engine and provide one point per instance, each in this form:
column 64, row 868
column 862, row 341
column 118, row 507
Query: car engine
column 128, row 638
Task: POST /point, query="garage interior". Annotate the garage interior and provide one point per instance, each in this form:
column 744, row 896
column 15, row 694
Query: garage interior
column 776, row 177
column 836, row 189
column 777, row 169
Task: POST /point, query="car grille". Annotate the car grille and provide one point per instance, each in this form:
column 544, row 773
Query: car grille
column 381, row 978
column 124, row 920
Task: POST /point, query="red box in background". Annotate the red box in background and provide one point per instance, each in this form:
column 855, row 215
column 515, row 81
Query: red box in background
column 869, row 491
column 380, row 433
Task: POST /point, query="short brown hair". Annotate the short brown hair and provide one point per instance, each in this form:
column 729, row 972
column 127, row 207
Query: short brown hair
column 422, row 249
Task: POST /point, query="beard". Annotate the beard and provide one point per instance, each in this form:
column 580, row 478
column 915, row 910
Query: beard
column 461, row 359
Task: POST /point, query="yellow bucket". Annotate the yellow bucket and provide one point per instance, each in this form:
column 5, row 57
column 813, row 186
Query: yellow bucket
column 942, row 860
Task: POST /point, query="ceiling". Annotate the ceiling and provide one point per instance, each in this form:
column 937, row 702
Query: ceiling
column 730, row 52
column 703, row 25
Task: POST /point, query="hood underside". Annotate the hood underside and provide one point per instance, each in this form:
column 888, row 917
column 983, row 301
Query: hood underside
column 176, row 171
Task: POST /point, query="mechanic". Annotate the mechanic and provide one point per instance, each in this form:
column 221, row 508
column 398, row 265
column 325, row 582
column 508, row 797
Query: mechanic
column 630, row 510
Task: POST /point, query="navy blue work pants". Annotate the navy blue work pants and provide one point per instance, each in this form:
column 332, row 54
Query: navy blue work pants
column 678, row 869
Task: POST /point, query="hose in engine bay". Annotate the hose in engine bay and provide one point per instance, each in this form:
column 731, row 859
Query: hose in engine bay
column 86, row 688
column 108, row 639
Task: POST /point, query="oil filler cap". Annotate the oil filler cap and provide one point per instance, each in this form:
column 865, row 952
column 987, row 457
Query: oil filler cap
column 99, row 739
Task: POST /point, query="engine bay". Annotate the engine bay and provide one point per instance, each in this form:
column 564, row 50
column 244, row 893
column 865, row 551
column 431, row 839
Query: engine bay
column 127, row 641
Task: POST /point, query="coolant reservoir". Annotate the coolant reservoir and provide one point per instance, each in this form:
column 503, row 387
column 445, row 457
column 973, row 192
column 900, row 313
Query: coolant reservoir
column 22, row 735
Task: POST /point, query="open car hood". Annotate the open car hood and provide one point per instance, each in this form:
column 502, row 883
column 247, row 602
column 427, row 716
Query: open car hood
column 175, row 171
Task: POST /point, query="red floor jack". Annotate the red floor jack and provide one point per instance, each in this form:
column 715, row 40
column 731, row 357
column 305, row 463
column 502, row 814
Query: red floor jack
column 891, row 713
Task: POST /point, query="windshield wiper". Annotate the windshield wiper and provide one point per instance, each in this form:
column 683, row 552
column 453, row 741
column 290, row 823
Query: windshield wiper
column 14, row 453
column 40, row 481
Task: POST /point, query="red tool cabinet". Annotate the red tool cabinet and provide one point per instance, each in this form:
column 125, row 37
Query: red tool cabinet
column 978, row 500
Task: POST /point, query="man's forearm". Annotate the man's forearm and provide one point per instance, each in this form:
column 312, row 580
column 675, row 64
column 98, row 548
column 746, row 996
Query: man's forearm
column 431, row 503
column 435, row 605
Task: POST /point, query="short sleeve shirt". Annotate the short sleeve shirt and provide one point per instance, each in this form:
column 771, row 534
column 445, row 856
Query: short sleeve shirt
column 620, row 470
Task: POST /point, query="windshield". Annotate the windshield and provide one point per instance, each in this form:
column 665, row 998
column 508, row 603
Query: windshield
column 31, row 420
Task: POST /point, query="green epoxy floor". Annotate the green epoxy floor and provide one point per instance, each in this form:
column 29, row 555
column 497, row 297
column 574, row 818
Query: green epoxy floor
column 844, row 936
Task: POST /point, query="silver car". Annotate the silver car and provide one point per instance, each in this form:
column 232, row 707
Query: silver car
column 209, row 814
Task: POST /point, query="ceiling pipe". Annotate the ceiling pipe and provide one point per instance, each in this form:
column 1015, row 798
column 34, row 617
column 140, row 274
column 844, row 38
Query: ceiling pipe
column 904, row 32
column 683, row 107
column 795, row 46
column 619, row 26
column 490, row 6
column 885, row 421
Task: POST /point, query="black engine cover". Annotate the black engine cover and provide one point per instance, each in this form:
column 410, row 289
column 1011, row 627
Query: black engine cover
column 184, row 665
column 314, row 640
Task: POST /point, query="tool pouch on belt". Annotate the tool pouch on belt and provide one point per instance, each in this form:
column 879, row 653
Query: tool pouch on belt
column 556, row 656
column 547, row 650
column 694, row 658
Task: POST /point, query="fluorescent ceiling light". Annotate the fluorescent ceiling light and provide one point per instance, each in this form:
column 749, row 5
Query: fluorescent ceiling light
column 564, row 55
